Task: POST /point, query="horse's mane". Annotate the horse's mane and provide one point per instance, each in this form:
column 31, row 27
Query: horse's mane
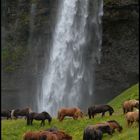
column 114, row 122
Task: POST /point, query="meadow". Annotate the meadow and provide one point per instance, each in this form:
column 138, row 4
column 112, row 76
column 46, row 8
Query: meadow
column 14, row 129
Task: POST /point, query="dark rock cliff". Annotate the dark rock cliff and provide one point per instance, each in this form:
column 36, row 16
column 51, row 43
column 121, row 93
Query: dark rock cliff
column 119, row 66
column 25, row 41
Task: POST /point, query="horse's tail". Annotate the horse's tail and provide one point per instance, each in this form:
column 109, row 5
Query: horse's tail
column 12, row 113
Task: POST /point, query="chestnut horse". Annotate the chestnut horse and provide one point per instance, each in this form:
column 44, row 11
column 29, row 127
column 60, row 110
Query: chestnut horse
column 129, row 105
column 38, row 116
column 132, row 117
column 115, row 125
column 99, row 109
column 74, row 112
column 46, row 135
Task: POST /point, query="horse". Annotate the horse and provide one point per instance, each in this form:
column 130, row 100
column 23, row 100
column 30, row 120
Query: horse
column 74, row 112
column 6, row 113
column 90, row 133
column 132, row 117
column 46, row 135
column 61, row 135
column 95, row 132
column 31, row 135
column 129, row 105
column 38, row 116
column 20, row 112
column 99, row 109
column 115, row 125
column 104, row 127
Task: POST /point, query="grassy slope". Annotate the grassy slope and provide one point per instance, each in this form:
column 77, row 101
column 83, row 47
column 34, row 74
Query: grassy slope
column 14, row 129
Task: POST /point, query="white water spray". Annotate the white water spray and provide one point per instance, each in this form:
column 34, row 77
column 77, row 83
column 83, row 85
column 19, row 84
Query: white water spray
column 68, row 78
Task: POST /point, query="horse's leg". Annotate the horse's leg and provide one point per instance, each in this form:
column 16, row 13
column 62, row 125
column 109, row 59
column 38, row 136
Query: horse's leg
column 89, row 116
column 123, row 110
column 43, row 122
column 131, row 109
column 103, row 114
column 31, row 121
column 93, row 115
column 128, row 122
column 62, row 118
column 75, row 117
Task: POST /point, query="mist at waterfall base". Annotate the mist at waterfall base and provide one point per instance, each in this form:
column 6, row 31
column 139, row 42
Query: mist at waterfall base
column 68, row 79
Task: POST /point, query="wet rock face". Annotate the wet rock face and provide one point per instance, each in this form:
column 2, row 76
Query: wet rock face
column 119, row 63
column 22, row 79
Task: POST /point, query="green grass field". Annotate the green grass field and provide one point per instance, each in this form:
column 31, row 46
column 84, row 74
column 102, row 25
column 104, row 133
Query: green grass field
column 14, row 129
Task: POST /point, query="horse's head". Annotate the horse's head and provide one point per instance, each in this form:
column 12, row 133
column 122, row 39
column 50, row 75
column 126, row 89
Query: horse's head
column 120, row 129
column 47, row 116
column 137, row 104
column 109, row 130
column 81, row 114
column 111, row 111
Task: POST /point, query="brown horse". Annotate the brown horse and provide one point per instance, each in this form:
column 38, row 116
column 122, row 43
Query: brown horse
column 60, row 134
column 115, row 125
column 104, row 128
column 132, row 117
column 31, row 135
column 71, row 112
column 20, row 112
column 129, row 105
column 46, row 135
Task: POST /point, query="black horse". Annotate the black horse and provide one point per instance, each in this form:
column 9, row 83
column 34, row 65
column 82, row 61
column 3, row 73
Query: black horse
column 94, row 132
column 99, row 109
column 6, row 113
column 38, row 116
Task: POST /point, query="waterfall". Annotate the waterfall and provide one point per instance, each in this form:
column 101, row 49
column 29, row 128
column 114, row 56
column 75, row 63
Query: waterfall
column 68, row 78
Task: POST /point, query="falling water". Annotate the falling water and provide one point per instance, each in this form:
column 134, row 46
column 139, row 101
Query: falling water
column 68, row 78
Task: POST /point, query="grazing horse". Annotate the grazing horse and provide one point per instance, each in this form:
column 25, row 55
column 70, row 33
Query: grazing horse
column 132, row 117
column 20, row 112
column 90, row 133
column 71, row 112
column 31, row 135
column 38, row 116
column 46, row 135
column 114, row 125
column 62, row 135
column 99, row 109
column 129, row 105
column 95, row 132
column 6, row 113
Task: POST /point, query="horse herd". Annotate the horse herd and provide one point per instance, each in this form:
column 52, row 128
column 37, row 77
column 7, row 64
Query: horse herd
column 91, row 132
